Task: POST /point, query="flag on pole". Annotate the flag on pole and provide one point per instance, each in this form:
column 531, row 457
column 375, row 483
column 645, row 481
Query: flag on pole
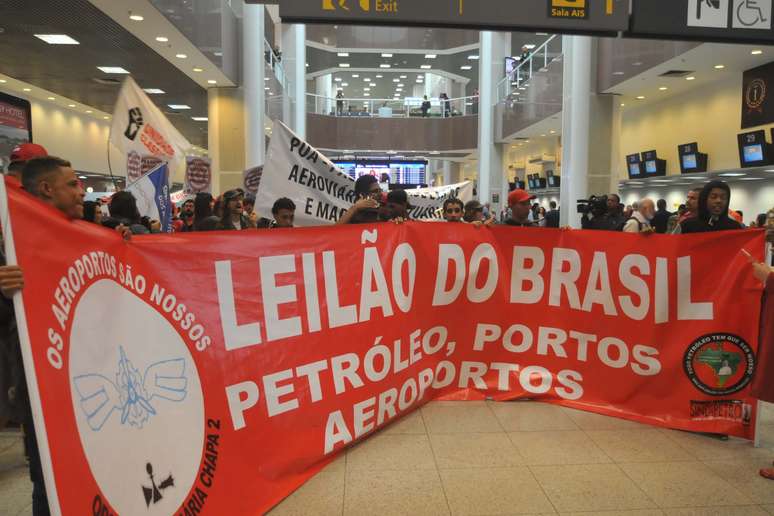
column 153, row 199
column 144, row 135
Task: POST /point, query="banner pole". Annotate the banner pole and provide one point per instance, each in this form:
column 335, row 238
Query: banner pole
column 759, row 403
column 29, row 366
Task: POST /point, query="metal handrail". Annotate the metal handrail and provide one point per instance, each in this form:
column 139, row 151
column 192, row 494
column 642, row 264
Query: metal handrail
column 384, row 107
column 523, row 71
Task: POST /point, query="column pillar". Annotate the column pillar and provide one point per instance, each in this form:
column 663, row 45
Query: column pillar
column 495, row 46
column 586, row 168
column 226, row 139
column 447, row 173
column 294, row 63
column 324, row 88
column 253, row 84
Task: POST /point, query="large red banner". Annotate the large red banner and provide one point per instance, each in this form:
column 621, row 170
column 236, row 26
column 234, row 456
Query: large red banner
column 216, row 372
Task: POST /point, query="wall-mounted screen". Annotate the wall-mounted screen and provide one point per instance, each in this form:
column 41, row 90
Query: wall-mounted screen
column 15, row 125
column 396, row 172
column 650, row 166
column 634, row 169
column 753, row 153
column 689, row 161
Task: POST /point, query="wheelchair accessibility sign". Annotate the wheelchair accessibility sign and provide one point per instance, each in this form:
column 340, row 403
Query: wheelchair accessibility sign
column 737, row 14
column 751, row 14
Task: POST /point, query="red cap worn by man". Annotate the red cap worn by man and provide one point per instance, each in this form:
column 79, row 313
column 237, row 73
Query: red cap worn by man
column 520, row 203
column 21, row 154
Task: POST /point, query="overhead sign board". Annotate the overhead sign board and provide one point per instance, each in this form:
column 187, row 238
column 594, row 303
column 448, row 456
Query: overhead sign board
column 706, row 20
column 581, row 16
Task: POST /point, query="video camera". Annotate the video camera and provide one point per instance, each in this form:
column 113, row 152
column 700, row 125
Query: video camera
column 595, row 206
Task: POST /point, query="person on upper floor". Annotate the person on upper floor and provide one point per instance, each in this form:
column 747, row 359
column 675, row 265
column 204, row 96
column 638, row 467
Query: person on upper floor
column 712, row 211
column 425, row 107
column 661, row 218
column 640, row 221
column 519, row 202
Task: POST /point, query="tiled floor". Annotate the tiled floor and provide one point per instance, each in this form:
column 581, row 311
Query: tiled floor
column 514, row 458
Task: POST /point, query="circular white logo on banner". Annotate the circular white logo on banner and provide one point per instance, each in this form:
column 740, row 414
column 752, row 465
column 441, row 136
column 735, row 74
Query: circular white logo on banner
column 137, row 399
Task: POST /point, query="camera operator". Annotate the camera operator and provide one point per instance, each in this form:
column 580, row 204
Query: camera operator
column 603, row 213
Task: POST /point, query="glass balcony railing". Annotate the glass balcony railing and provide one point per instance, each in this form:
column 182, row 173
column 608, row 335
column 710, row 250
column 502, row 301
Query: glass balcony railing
column 518, row 79
column 388, row 108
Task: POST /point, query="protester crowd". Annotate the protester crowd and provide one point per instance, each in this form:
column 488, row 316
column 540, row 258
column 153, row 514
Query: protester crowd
column 53, row 181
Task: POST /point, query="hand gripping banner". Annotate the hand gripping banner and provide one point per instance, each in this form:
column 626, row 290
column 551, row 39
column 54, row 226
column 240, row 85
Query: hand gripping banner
column 172, row 372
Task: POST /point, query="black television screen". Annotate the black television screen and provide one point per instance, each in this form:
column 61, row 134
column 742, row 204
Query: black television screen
column 753, row 153
column 634, row 169
column 15, row 125
column 650, row 166
column 689, row 161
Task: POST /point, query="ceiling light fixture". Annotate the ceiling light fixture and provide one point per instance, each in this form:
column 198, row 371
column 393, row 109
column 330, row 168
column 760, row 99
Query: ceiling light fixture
column 70, row 105
column 366, row 79
column 384, row 66
column 756, row 52
column 181, row 56
column 57, row 39
column 733, row 174
column 345, row 84
column 355, row 75
column 343, row 65
column 338, row 79
column 212, row 81
column 199, row 118
column 473, row 57
column 105, row 118
column 719, row 67
column 153, row 91
column 396, row 80
column 112, row 69
column 343, row 54
column 26, row 89
column 89, row 111
column 179, row 106
column 402, row 76
column 641, row 97
column 530, row 46
column 466, row 67
column 691, row 78
column 136, row 17
column 379, row 76
column 618, row 73
column 197, row 69
column 386, row 55
column 51, row 98
column 162, row 39
column 430, row 56
column 425, row 67
column 663, row 88
column 366, row 94
column 623, row 105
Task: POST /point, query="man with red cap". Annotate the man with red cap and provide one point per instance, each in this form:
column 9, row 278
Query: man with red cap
column 21, row 154
column 520, row 204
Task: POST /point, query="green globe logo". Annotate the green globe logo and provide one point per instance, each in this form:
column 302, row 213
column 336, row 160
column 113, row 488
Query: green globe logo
column 719, row 364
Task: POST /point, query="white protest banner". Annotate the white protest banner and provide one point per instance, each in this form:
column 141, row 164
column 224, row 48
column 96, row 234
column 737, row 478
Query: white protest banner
column 198, row 175
column 143, row 134
column 321, row 192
